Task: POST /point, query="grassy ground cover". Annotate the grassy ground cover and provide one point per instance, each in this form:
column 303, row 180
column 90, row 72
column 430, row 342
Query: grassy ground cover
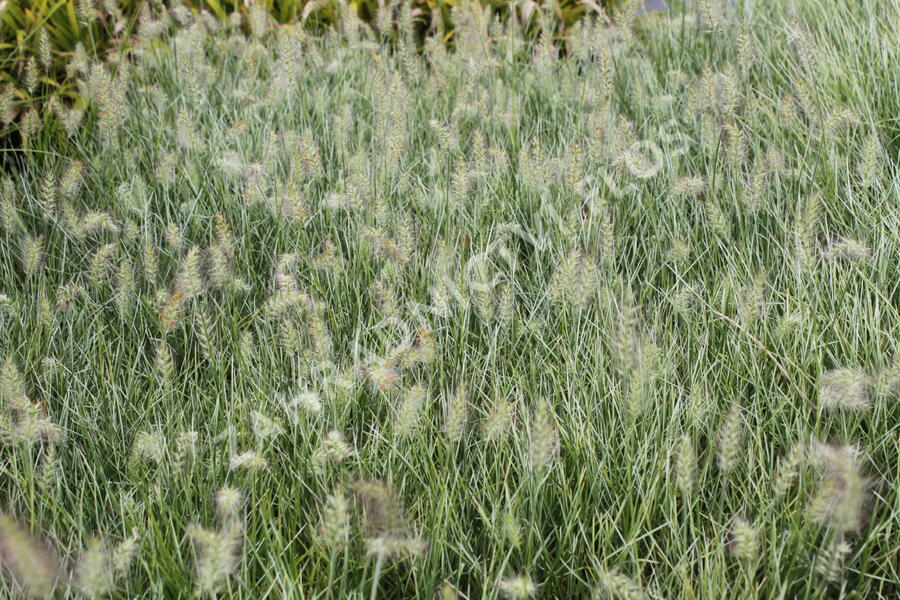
column 299, row 316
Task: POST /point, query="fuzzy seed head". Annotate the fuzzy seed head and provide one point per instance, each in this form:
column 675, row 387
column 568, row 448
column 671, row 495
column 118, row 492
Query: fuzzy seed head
column 265, row 428
column 499, row 420
column 689, row 186
column 27, row 559
column 844, row 389
column 308, row 402
column 510, row 529
column 517, row 587
column 848, row 249
column 32, row 254
column 830, row 563
column 217, row 555
column 840, row 498
column 542, row 437
column 870, row 165
column 333, row 450
column 393, row 547
column 686, row 466
column 456, row 414
column 789, row 467
column 94, row 575
column 185, row 450
column 249, row 461
column 410, row 410
column 744, row 540
column 334, row 531
column 612, row 585
column 381, row 508
column 164, row 364
column 383, row 374
column 148, row 447
column 731, row 436
column 229, row 501
column 124, row 553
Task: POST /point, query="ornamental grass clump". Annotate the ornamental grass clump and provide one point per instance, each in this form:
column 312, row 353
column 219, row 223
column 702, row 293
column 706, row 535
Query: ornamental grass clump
column 525, row 301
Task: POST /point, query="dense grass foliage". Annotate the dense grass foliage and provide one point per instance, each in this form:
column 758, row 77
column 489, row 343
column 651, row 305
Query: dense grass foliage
column 42, row 42
column 301, row 316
